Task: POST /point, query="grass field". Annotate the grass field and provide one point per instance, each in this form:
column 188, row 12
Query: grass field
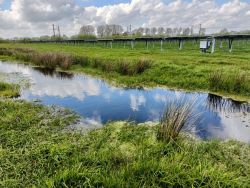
column 37, row 149
column 222, row 72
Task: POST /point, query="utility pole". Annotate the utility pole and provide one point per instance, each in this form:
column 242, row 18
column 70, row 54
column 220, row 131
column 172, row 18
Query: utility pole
column 59, row 33
column 192, row 30
column 54, row 33
column 200, row 30
column 130, row 30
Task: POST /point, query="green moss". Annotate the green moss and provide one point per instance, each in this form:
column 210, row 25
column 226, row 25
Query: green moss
column 36, row 148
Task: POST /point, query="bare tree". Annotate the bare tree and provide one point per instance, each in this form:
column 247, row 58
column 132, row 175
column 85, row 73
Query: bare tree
column 147, row 31
column 139, row 31
column 175, row 31
column 101, row 31
column 179, row 31
column 169, row 32
column 117, row 29
column 153, row 31
column 109, row 30
column 224, row 31
column 186, row 31
column 192, row 30
column 202, row 31
column 161, row 31
column 87, row 30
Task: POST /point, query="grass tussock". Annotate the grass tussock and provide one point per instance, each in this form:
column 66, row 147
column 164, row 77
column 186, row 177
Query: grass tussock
column 178, row 114
column 38, row 150
column 234, row 83
column 52, row 60
column 142, row 65
column 125, row 68
column 9, row 90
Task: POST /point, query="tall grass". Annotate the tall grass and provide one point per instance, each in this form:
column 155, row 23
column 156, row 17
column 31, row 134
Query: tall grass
column 125, row 68
column 178, row 114
column 9, row 90
column 239, row 82
column 142, row 65
column 215, row 80
column 65, row 61
column 234, row 83
column 52, row 60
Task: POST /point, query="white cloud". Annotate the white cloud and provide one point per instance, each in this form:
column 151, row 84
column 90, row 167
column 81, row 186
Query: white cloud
column 34, row 17
column 233, row 126
column 136, row 102
column 52, row 86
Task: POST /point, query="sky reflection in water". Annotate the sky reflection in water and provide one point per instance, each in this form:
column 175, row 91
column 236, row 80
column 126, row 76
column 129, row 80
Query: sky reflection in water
column 100, row 102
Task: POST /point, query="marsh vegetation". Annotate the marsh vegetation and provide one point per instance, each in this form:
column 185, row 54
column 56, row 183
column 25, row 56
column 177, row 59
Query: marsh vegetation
column 182, row 69
column 37, row 147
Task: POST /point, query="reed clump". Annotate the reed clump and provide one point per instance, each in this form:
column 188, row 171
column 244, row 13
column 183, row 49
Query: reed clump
column 233, row 83
column 52, row 60
column 64, row 61
column 81, row 60
column 142, row 65
column 239, row 82
column 178, row 114
column 125, row 68
column 215, row 80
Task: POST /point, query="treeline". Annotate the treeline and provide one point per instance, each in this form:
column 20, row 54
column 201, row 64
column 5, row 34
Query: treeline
column 117, row 30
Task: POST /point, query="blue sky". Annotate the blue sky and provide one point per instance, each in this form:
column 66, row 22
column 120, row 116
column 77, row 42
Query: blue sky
column 99, row 3
column 5, row 5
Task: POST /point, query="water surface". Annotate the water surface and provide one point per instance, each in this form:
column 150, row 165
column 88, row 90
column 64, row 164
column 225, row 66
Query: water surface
column 99, row 102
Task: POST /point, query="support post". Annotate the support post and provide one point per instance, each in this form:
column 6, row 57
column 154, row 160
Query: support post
column 213, row 45
column 147, row 44
column 132, row 45
column 230, row 42
column 221, row 44
column 161, row 45
column 111, row 45
column 180, row 44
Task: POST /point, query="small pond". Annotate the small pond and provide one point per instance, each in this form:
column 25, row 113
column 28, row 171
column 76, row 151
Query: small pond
column 99, row 102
